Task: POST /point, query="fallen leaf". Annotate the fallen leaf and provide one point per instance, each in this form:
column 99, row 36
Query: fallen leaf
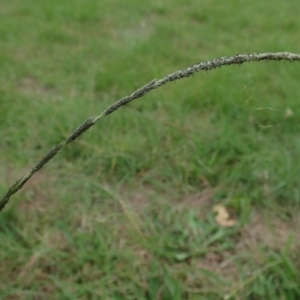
column 288, row 113
column 223, row 217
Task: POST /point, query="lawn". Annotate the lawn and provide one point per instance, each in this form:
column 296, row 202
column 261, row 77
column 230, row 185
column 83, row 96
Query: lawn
column 128, row 210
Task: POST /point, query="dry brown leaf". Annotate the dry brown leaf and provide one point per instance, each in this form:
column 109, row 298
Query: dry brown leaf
column 288, row 113
column 222, row 217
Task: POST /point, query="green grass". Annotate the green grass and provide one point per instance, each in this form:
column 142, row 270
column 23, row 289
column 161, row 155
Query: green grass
column 126, row 211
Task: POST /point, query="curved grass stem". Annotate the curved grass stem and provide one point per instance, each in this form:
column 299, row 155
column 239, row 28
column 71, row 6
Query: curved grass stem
column 237, row 59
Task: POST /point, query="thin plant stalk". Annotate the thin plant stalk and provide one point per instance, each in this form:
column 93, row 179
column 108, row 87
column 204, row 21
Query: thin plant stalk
column 237, row 59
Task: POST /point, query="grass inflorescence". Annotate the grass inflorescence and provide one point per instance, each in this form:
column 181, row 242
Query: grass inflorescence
column 206, row 66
